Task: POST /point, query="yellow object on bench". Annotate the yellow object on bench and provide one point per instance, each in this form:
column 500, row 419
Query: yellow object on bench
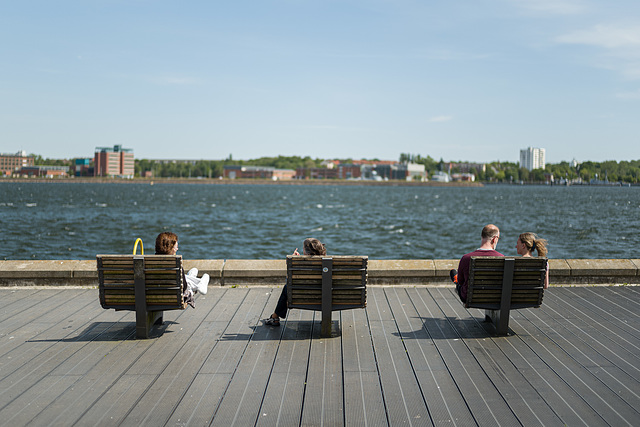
column 147, row 285
column 326, row 284
column 501, row 284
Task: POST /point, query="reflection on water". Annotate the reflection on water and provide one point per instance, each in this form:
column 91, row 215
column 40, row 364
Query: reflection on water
column 78, row 221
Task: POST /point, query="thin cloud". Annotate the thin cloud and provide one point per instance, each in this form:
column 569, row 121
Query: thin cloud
column 551, row 7
column 606, row 36
column 171, row 81
column 629, row 95
column 620, row 47
column 438, row 119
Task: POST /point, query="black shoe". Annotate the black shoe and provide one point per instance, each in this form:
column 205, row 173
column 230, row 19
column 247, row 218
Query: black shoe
column 454, row 275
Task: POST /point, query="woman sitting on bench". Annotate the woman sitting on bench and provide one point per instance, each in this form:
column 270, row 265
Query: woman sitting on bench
column 167, row 244
column 527, row 243
column 309, row 247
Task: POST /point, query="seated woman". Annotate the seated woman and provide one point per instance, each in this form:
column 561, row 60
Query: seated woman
column 309, row 247
column 167, row 244
column 527, row 243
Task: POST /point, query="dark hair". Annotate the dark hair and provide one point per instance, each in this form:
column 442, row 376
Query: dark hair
column 314, row 247
column 490, row 231
column 531, row 242
column 165, row 242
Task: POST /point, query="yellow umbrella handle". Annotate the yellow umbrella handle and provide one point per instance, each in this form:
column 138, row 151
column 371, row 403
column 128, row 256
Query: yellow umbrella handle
column 135, row 246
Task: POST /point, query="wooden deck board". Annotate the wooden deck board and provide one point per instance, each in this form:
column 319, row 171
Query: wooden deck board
column 324, row 384
column 552, row 348
column 282, row 403
column 414, row 355
column 363, row 397
column 402, row 395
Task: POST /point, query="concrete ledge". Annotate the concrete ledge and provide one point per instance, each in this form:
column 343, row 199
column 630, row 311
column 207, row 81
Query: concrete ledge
column 212, row 267
column 559, row 269
column 238, row 272
column 417, row 272
column 401, row 272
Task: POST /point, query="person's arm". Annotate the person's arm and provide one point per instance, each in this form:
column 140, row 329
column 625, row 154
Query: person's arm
column 295, row 252
column 546, row 278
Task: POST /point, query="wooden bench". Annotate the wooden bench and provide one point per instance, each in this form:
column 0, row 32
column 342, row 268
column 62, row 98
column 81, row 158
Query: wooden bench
column 147, row 285
column 501, row 284
column 326, row 284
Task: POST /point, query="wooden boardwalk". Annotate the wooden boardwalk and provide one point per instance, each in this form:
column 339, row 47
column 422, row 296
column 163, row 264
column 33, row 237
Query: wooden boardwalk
column 413, row 357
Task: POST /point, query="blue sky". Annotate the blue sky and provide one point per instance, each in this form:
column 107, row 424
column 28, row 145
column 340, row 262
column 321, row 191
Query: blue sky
column 460, row 80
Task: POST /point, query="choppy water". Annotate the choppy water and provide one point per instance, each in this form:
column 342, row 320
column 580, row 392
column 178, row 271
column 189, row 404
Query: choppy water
column 78, row 221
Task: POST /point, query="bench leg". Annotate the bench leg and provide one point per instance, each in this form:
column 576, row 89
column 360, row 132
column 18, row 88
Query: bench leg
column 325, row 329
column 500, row 319
column 145, row 321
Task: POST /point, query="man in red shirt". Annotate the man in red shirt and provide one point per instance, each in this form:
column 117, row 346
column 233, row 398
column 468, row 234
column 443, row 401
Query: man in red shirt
column 490, row 236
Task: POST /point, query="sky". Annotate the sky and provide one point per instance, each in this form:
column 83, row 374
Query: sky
column 468, row 80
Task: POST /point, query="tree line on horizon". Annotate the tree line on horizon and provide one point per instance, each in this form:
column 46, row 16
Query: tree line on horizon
column 497, row 171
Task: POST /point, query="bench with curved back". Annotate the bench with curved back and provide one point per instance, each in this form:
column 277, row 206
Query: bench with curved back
column 146, row 284
column 501, row 284
column 326, row 284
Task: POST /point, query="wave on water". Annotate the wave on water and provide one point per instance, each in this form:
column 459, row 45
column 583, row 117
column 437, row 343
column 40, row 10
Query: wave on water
column 250, row 221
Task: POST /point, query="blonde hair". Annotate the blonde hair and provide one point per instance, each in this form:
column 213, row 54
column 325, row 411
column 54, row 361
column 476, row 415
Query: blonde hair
column 531, row 242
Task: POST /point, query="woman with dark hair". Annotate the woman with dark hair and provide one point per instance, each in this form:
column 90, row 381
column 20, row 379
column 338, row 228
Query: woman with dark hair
column 310, row 246
column 167, row 244
column 529, row 242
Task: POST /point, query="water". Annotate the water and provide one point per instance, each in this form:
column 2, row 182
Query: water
column 78, row 221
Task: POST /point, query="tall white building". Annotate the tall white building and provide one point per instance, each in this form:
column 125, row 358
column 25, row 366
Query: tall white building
column 532, row 158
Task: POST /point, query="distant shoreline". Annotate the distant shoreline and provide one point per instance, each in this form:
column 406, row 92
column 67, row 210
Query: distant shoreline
column 215, row 181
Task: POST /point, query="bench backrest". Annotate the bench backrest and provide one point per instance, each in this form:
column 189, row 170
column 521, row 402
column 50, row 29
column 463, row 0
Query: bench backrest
column 161, row 277
column 346, row 276
column 519, row 278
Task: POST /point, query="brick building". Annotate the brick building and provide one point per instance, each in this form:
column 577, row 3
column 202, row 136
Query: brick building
column 11, row 163
column 116, row 161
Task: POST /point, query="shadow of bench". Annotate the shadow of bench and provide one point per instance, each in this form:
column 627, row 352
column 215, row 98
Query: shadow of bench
column 501, row 284
column 146, row 284
column 326, row 284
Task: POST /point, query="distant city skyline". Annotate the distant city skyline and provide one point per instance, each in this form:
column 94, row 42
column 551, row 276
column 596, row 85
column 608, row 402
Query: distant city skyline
column 458, row 81
column 519, row 161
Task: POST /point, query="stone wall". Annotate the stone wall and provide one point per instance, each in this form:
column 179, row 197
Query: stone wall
column 273, row 272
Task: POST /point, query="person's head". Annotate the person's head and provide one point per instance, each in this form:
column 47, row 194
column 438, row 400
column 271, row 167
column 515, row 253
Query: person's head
column 490, row 235
column 166, row 243
column 313, row 246
column 528, row 242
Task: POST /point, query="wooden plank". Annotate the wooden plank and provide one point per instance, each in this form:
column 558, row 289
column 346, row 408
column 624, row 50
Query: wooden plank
column 45, row 359
column 363, row 398
column 169, row 365
column 283, row 399
column 440, row 393
column 403, row 398
column 44, row 328
column 244, row 395
column 228, row 352
column 609, row 407
column 421, row 333
column 479, row 393
column 323, row 397
column 202, row 395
